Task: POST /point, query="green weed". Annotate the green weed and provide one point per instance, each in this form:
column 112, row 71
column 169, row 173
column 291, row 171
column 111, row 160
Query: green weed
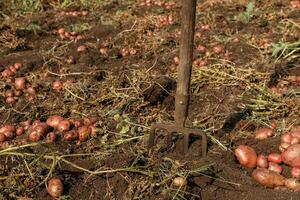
column 246, row 16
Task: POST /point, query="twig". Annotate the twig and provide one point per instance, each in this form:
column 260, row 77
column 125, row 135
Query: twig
column 128, row 29
column 76, row 96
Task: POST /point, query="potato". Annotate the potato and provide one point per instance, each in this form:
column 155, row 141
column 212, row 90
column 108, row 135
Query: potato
column 292, row 155
column 268, row 178
column 275, row 158
column 283, row 146
column 286, row 138
column 295, row 133
column 295, row 172
column 262, row 161
column 275, row 167
column 295, row 140
column 246, row 156
column 263, row 133
column 292, row 184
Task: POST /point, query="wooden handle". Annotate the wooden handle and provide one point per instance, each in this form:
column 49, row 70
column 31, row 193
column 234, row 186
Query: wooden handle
column 188, row 14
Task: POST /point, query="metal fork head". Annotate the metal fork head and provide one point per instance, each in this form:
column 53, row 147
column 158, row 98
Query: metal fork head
column 187, row 132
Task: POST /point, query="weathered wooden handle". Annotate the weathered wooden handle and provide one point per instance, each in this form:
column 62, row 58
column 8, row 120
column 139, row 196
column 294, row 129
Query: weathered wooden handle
column 188, row 14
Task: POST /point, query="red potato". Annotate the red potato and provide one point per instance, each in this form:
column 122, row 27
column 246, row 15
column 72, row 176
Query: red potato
column 77, row 123
column 61, row 31
column 284, row 146
column 70, row 60
column 18, row 65
column 268, row 178
column 24, row 141
column 295, row 133
column 275, row 158
column 292, row 184
column 13, row 69
column 18, row 93
column 286, row 138
column 57, row 85
column 9, row 134
column 6, row 128
column 83, row 133
column 53, row 121
column 176, row 60
column 87, row 121
column 198, row 35
column 218, row 49
column 262, row 161
column 70, row 136
column 275, row 167
column 7, row 73
column 10, row 100
column 51, row 137
column 295, row 172
column 34, row 136
column 179, row 182
column 103, row 51
column 295, row 140
column 246, row 156
column 31, row 91
column 20, row 131
column 81, row 49
column 2, row 138
column 41, row 129
column 9, row 93
column 84, row 13
column 64, row 125
column 273, row 125
column 36, row 122
column 20, row 83
column 292, row 155
column 132, row 51
column 201, row 49
column 26, row 124
column 55, row 187
column 263, row 133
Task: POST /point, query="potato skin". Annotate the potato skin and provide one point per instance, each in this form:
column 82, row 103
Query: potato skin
column 263, row 133
column 292, row 155
column 246, row 156
column 262, row 161
column 292, row 184
column 268, row 178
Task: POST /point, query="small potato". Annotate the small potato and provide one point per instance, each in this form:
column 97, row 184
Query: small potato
column 284, row 146
column 295, row 172
column 179, row 181
column 246, row 156
column 275, row 158
column 53, row 121
column 292, row 184
column 268, row 178
column 263, row 133
column 295, row 140
column 262, row 161
column 292, row 155
column 295, row 133
column 286, row 138
column 275, row 167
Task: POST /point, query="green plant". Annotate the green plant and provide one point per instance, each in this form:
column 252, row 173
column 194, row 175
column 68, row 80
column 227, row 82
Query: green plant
column 246, row 16
column 27, row 6
column 79, row 28
column 285, row 50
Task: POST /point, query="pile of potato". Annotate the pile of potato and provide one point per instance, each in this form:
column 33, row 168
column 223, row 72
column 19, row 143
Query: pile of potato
column 269, row 168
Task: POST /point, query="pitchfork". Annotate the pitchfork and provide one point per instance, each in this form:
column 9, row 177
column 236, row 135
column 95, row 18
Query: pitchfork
column 183, row 83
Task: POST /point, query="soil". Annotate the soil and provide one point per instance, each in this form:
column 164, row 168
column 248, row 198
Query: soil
column 127, row 94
